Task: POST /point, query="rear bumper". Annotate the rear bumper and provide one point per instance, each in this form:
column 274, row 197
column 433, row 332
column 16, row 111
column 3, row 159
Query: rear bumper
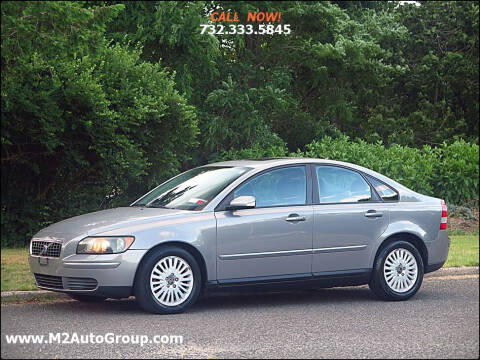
column 433, row 267
column 437, row 251
column 110, row 275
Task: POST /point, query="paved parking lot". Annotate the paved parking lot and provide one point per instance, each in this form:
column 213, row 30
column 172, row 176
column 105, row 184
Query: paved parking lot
column 442, row 320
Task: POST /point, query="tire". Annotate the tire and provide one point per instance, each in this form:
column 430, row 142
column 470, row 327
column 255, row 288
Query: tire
column 168, row 281
column 87, row 298
column 401, row 263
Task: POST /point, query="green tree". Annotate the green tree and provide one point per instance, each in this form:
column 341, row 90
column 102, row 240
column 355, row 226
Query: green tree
column 371, row 70
column 439, row 94
column 168, row 31
column 80, row 119
column 107, row 98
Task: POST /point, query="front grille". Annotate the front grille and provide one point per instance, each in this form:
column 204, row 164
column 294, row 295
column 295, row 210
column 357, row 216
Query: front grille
column 75, row 283
column 46, row 248
column 54, row 282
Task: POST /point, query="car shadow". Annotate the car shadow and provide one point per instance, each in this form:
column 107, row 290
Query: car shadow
column 232, row 300
column 241, row 300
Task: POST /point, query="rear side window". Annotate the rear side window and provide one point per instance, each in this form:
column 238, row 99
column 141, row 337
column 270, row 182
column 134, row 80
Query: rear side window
column 385, row 191
column 339, row 185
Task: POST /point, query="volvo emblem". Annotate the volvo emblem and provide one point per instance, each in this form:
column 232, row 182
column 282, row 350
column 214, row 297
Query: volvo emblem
column 44, row 249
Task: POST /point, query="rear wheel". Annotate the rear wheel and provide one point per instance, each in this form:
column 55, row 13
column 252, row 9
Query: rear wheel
column 87, row 298
column 398, row 272
column 168, row 281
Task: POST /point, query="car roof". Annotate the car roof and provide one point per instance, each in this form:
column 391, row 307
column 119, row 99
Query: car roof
column 269, row 162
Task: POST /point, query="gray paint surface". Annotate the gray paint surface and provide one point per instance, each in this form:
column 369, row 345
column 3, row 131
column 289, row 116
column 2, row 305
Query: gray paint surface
column 251, row 242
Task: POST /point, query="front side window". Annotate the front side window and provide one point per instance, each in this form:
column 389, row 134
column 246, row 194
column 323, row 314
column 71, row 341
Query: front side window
column 192, row 190
column 385, row 191
column 279, row 187
column 339, row 185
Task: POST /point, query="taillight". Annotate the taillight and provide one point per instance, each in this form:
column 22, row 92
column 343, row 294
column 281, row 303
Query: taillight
column 443, row 222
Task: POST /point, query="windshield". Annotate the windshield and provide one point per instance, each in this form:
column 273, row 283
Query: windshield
column 193, row 189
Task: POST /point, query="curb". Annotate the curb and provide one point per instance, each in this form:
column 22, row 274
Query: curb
column 18, row 296
column 462, row 270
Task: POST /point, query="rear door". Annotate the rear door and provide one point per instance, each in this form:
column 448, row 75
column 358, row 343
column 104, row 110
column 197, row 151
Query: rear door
column 349, row 217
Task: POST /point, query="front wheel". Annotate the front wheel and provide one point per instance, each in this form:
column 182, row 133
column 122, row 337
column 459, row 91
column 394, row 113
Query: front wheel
column 398, row 272
column 168, row 281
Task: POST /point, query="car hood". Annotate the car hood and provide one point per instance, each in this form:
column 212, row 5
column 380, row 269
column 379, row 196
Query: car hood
column 105, row 220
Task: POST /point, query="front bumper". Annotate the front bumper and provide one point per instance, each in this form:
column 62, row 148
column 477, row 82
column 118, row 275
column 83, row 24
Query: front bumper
column 109, row 275
column 437, row 251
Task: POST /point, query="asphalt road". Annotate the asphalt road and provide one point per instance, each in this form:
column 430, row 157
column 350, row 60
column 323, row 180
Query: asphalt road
column 442, row 320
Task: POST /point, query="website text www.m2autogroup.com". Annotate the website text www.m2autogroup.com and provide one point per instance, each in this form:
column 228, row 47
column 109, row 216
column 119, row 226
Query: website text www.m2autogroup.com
column 107, row 338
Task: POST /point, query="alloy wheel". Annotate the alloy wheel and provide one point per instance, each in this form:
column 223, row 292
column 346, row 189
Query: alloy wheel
column 400, row 270
column 171, row 280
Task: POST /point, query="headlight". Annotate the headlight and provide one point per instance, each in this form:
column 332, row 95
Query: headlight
column 104, row 245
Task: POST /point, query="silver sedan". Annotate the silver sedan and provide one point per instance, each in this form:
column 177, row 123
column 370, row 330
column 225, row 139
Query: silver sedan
column 247, row 224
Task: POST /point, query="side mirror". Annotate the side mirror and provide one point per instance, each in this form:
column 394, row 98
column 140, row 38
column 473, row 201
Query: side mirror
column 242, row 202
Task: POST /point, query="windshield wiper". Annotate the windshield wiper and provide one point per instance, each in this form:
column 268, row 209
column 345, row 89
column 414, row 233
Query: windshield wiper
column 150, row 205
column 155, row 206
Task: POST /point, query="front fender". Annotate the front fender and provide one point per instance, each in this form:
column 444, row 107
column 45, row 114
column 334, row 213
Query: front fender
column 196, row 229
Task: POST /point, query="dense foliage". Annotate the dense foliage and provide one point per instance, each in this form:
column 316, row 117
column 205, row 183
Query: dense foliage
column 81, row 119
column 102, row 100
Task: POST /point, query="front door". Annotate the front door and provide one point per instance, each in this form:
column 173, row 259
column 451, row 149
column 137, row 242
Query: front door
column 272, row 240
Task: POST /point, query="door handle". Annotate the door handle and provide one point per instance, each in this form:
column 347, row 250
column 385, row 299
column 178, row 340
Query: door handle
column 373, row 214
column 295, row 217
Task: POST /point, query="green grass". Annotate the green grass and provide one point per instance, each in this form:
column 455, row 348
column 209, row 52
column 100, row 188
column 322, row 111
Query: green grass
column 461, row 232
column 463, row 251
column 16, row 273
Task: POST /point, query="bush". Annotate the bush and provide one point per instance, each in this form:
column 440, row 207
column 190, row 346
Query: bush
column 456, row 173
column 461, row 212
column 449, row 172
